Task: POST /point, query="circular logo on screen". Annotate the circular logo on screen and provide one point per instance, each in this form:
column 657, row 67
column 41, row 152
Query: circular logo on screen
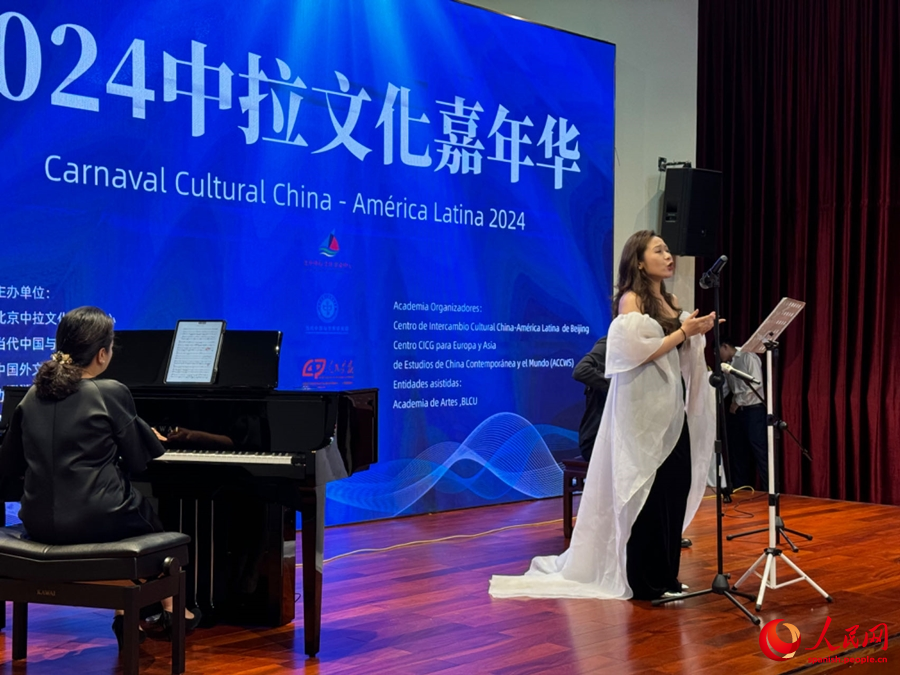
column 327, row 307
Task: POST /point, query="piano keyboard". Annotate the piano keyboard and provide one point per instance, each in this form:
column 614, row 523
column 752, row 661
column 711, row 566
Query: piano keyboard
column 209, row 457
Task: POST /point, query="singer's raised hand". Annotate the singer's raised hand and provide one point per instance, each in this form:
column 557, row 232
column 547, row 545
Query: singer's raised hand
column 697, row 325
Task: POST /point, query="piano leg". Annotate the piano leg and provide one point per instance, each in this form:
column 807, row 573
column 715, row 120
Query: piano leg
column 312, row 515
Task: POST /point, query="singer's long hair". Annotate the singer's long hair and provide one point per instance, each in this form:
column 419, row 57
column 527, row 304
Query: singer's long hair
column 633, row 278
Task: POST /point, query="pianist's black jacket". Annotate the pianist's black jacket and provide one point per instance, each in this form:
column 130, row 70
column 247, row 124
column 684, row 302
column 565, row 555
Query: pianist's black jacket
column 76, row 455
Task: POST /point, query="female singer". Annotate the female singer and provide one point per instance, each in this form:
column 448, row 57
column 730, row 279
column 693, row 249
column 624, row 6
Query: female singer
column 650, row 460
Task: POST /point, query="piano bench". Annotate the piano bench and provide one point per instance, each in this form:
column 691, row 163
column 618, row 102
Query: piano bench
column 91, row 575
column 574, row 473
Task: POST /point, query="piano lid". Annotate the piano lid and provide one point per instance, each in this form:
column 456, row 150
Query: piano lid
column 249, row 358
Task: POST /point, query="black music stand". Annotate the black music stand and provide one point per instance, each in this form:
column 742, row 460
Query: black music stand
column 764, row 340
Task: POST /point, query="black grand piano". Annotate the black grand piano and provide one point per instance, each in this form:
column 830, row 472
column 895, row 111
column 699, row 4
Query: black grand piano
column 244, row 459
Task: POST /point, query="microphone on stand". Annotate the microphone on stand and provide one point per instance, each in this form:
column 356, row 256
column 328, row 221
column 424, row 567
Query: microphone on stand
column 740, row 374
column 706, row 281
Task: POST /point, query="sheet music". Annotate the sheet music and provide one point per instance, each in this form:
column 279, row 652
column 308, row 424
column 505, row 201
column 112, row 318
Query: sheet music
column 769, row 330
column 195, row 352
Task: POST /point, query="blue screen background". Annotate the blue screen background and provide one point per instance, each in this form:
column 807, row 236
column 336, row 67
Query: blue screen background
column 343, row 283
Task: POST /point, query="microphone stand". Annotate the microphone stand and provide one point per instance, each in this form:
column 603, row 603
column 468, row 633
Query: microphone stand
column 720, row 584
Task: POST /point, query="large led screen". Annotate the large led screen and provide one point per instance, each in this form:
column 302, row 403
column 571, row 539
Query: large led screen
column 418, row 193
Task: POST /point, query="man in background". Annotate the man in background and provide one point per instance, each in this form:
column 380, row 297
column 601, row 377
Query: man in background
column 750, row 448
column 591, row 372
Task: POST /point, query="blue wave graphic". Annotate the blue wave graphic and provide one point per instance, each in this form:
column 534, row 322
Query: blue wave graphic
column 12, row 513
column 503, row 457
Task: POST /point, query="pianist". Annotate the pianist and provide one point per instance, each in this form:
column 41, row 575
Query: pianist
column 76, row 440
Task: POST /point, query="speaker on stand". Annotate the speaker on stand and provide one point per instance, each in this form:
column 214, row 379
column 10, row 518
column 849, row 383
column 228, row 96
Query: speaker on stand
column 692, row 210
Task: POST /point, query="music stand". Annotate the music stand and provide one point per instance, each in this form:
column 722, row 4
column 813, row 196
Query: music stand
column 764, row 340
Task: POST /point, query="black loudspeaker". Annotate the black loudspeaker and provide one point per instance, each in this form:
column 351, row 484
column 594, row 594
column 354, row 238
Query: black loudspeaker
column 692, row 208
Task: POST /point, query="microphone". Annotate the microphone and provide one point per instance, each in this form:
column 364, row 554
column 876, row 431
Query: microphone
column 706, row 281
column 740, row 374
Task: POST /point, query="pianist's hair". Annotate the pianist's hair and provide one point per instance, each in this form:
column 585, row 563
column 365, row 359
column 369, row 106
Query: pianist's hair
column 82, row 332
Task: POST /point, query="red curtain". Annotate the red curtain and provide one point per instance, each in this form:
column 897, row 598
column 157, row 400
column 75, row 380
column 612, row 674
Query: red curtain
column 799, row 107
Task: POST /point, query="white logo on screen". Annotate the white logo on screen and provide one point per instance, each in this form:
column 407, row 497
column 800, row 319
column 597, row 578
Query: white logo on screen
column 327, row 307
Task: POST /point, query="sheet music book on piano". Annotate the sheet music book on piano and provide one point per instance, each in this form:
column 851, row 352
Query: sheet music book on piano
column 194, row 357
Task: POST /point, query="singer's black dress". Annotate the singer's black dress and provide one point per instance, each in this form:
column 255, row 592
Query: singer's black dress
column 76, row 455
column 654, row 549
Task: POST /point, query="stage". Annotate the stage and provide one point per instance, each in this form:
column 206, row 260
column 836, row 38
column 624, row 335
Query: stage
column 424, row 607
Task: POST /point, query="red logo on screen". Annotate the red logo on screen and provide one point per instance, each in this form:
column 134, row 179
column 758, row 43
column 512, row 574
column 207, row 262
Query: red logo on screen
column 313, row 368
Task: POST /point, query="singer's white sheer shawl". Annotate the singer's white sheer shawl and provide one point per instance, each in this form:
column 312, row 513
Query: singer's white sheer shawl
column 641, row 423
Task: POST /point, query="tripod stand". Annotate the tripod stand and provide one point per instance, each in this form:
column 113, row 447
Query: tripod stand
column 777, row 425
column 720, row 584
column 764, row 338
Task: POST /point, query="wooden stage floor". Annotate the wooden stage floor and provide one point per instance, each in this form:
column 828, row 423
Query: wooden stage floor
column 424, row 608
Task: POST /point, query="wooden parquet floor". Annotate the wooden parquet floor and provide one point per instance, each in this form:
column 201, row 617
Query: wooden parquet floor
column 424, row 608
